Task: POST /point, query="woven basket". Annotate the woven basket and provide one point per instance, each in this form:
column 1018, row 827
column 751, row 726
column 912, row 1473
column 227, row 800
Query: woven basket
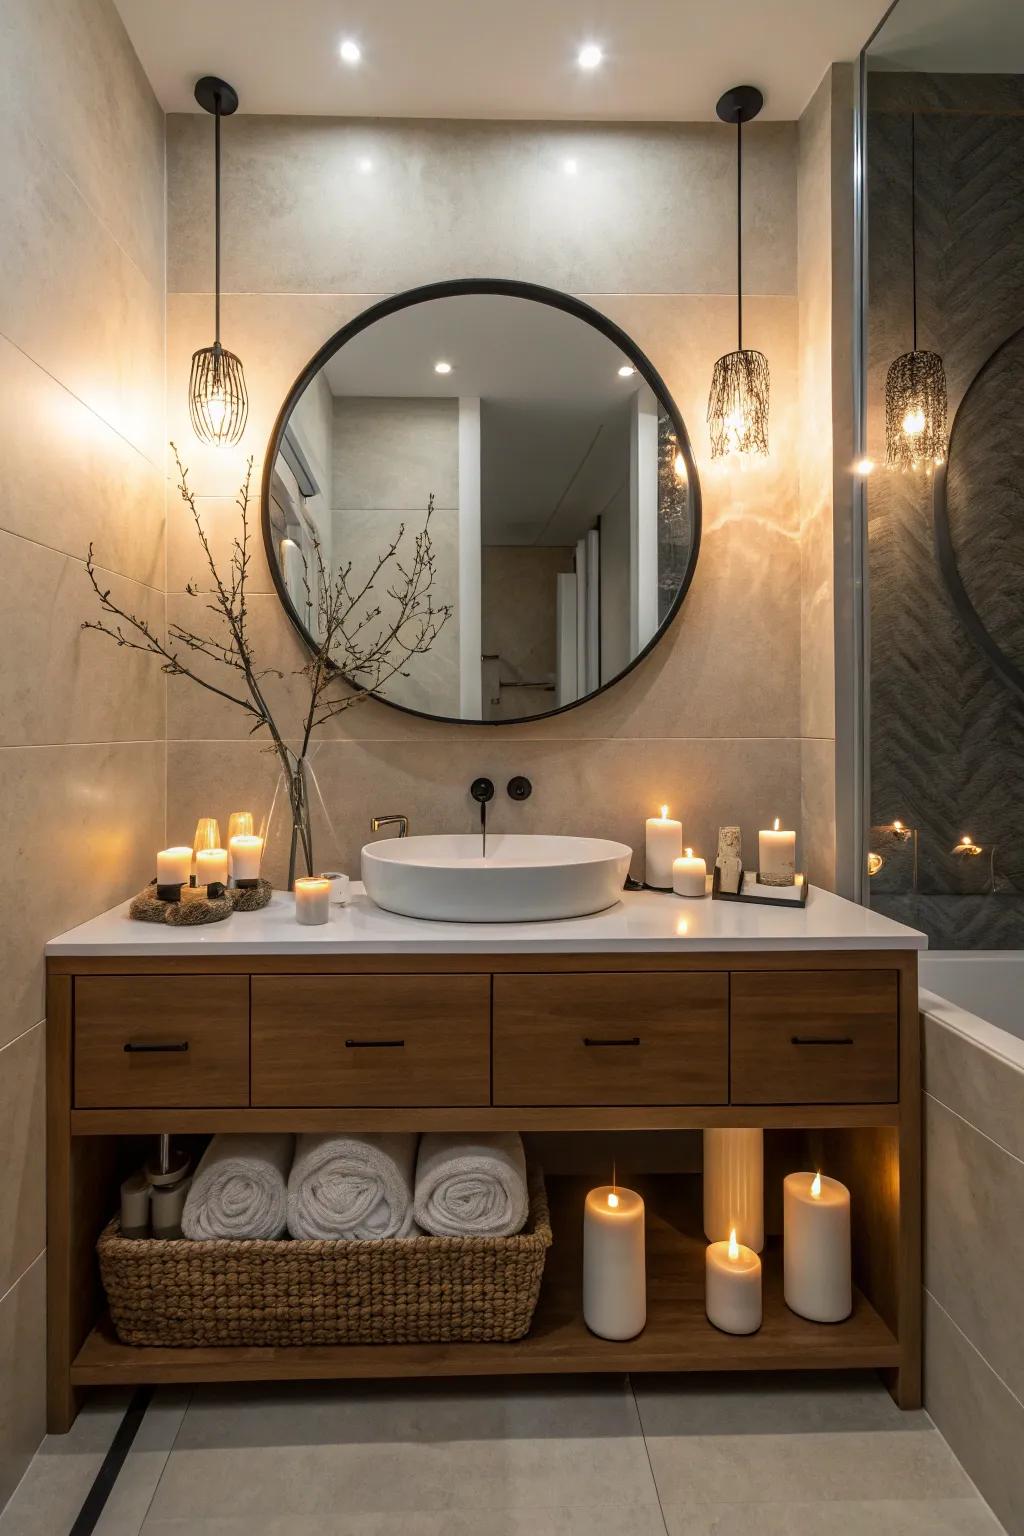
column 418, row 1290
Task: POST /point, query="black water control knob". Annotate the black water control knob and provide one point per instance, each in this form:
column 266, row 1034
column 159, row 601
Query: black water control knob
column 482, row 790
column 519, row 788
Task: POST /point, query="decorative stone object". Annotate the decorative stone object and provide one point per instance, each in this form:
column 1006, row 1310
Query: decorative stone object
column 729, row 860
column 250, row 898
column 147, row 907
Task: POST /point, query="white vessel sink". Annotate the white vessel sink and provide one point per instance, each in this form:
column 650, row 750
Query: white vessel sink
column 522, row 879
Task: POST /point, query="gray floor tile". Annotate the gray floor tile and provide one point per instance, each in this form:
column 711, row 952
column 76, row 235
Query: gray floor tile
column 874, row 1517
column 605, row 1520
column 785, row 1404
column 132, row 1494
column 61, row 1473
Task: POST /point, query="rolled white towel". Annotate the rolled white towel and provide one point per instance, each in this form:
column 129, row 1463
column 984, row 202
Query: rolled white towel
column 472, row 1185
column 352, row 1187
column 240, row 1189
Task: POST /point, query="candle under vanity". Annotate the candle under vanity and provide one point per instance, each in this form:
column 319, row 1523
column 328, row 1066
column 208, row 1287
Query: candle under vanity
column 658, row 1014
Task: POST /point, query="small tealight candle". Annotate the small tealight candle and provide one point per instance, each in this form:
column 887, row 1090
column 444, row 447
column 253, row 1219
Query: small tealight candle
column 614, row 1263
column 776, row 856
column 689, row 875
column 663, row 845
column 732, row 1287
column 312, row 900
column 246, row 853
column 212, row 866
column 173, row 870
column 816, row 1247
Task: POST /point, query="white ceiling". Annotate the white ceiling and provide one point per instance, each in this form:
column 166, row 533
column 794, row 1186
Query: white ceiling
column 665, row 60
column 980, row 37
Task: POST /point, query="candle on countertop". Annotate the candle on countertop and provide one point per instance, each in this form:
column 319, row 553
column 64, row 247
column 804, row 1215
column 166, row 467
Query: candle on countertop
column 689, row 875
column 776, row 856
column 312, row 900
column 240, row 824
column 816, row 1247
column 734, row 1185
column 732, row 1287
column 614, row 1263
column 663, row 845
column 173, row 866
column 212, row 866
column 246, row 853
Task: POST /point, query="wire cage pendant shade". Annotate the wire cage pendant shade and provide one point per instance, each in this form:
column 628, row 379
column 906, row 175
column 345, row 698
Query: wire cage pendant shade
column 916, row 397
column 217, row 398
column 741, row 383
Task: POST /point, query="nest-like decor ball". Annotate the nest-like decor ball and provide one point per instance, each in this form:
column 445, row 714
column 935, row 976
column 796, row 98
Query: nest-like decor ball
column 147, row 907
column 251, row 898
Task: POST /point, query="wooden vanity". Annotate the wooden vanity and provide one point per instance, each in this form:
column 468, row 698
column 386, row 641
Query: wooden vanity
column 660, row 1014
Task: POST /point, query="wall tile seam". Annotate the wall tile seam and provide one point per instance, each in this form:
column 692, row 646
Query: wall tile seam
column 971, row 1126
column 23, row 1036
column 159, row 468
column 445, row 739
column 971, row 1344
column 580, row 293
column 67, row 554
column 94, row 212
column 103, row 741
column 24, row 1274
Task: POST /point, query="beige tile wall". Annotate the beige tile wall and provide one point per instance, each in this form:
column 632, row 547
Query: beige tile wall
column 82, row 727
column 711, row 721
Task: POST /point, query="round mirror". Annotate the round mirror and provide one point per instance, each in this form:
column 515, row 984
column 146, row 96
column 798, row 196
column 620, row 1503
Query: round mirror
column 480, row 500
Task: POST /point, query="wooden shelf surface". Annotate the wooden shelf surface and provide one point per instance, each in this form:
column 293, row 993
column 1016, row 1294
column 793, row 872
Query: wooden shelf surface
column 678, row 1336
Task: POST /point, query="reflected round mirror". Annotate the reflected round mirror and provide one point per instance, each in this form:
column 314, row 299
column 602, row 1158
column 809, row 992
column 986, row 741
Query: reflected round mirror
column 482, row 498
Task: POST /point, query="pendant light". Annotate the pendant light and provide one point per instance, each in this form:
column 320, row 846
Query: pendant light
column 738, row 402
column 217, row 399
column 915, row 386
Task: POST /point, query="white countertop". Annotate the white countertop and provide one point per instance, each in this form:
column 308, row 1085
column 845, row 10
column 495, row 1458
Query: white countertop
column 642, row 922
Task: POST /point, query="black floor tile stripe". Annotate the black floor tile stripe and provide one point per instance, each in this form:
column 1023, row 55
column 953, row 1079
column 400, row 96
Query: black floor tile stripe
column 95, row 1500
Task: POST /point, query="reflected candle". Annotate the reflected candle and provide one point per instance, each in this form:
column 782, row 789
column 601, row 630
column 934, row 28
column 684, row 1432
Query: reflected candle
column 663, row 845
column 732, row 1287
column 614, row 1263
column 816, row 1247
column 689, row 875
column 246, row 853
column 312, row 900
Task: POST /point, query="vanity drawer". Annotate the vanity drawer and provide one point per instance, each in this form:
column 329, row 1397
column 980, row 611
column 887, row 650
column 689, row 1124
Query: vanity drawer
column 612, row 1038
column 370, row 1041
column 820, row 1037
column 161, row 1042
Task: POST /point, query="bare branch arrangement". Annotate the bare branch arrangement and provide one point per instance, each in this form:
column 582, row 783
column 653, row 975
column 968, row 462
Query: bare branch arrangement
column 357, row 641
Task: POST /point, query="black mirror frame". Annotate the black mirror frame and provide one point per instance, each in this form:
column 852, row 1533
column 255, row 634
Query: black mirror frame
column 511, row 289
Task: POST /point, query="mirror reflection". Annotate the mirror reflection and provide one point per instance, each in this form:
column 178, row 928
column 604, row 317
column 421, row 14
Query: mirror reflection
column 564, row 519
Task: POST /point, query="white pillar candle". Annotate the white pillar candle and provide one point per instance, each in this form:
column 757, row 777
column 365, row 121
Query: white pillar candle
column 246, row 853
column 614, row 1263
column 174, row 866
column 689, row 875
column 240, row 824
column 816, row 1247
column 732, row 1287
column 663, row 845
column 734, row 1185
column 212, row 866
column 312, row 900
column 776, row 855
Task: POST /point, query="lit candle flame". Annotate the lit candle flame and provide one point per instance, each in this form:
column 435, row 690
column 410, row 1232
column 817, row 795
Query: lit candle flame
column 816, row 1186
column 776, row 827
column 734, row 1247
column 613, row 1200
column 897, row 826
column 689, row 853
column 664, row 813
column 967, row 840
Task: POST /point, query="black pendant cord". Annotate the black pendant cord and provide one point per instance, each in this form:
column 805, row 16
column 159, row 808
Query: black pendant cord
column 216, row 222
column 913, row 220
column 739, row 234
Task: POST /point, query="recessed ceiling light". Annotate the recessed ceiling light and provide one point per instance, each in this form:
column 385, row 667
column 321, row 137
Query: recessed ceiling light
column 571, row 167
column 626, row 371
column 442, row 367
column 366, row 165
column 350, row 51
column 589, row 56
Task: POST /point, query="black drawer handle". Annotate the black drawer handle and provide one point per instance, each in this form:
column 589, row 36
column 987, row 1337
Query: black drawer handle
column 821, row 1040
column 588, row 1040
column 181, row 1045
column 374, row 1045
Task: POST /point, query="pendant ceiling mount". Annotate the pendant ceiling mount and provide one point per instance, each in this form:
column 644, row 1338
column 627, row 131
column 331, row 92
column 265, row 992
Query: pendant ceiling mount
column 738, row 402
column 217, row 398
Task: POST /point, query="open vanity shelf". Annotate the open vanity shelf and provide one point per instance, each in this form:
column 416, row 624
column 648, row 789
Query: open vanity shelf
column 715, row 1030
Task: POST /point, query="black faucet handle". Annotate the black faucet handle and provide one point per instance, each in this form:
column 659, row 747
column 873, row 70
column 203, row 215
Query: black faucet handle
column 482, row 790
column 519, row 788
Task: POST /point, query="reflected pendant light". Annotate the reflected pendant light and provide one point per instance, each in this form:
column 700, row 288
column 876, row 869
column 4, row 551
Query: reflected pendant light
column 217, row 400
column 915, row 386
column 738, row 402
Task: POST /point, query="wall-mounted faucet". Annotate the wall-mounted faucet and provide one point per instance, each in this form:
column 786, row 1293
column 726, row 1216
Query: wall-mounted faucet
column 519, row 788
column 482, row 791
column 401, row 822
